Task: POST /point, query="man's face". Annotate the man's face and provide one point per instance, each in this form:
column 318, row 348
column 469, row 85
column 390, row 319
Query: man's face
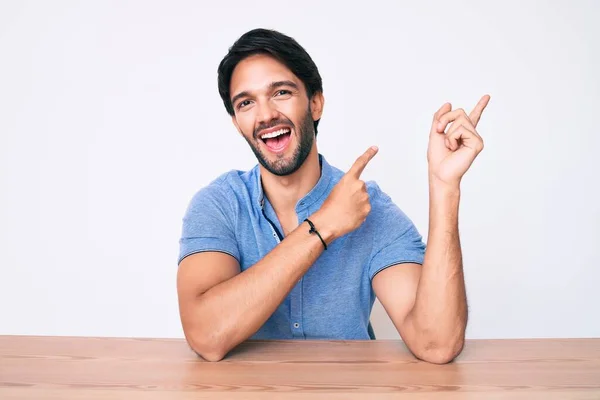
column 273, row 113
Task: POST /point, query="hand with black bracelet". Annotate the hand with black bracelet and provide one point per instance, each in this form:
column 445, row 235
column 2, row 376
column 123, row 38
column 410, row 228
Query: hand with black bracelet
column 347, row 206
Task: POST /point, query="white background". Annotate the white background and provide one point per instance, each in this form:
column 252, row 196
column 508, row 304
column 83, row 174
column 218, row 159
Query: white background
column 110, row 121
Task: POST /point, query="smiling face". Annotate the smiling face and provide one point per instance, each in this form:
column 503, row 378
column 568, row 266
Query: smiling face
column 273, row 113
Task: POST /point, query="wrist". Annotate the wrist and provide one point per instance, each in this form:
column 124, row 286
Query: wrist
column 326, row 229
column 444, row 192
column 444, row 202
column 441, row 189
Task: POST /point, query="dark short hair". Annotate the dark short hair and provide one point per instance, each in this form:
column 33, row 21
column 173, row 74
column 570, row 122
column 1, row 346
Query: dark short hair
column 281, row 47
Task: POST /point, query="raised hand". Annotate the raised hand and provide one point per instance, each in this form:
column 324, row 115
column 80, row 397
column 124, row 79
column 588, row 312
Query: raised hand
column 348, row 205
column 451, row 153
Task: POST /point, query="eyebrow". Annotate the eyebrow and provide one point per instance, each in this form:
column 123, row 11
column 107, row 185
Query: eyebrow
column 272, row 85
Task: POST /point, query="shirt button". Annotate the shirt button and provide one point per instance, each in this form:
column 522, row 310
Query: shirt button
column 296, row 325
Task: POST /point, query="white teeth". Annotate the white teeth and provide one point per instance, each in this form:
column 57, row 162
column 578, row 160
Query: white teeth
column 275, row 134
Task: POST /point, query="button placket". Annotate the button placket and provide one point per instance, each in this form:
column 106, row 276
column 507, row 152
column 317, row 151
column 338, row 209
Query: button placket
column 297, row 298
column 296, row 308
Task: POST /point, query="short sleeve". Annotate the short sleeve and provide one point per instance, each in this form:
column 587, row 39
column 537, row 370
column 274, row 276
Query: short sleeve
column 208, row 224
column 396, row 238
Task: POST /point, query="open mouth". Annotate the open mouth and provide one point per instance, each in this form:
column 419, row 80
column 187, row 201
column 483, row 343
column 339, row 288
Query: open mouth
column 278, row 140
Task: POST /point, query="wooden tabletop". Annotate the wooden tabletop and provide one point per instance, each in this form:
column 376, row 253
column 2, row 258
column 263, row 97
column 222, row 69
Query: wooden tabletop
column 107, row 368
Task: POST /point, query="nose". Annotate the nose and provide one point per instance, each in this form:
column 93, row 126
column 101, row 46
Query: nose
column 266, row 113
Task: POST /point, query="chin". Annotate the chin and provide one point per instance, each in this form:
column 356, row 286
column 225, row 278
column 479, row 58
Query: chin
column 283, row 166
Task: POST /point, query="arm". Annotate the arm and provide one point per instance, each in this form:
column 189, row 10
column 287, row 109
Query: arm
column 428, row 304
column 221, row 307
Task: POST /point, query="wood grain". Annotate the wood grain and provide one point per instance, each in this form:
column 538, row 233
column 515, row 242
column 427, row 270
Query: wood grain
column 122, row 368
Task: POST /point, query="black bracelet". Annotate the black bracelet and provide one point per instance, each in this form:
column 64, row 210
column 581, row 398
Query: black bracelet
column 314, row 230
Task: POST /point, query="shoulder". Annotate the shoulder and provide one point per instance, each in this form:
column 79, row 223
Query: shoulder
column 216, row 190
column 384, row 210
column 375, row 191
column 221, row 192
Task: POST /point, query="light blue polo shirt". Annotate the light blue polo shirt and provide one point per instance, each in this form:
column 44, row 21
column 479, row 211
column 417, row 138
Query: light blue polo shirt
column 334, row 299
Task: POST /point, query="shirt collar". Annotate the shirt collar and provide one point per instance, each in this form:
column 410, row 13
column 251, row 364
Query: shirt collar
column 311, row 197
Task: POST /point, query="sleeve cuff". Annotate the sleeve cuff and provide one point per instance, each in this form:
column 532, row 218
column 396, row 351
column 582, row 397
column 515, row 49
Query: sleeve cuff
column 383, row 261
column 199, row 245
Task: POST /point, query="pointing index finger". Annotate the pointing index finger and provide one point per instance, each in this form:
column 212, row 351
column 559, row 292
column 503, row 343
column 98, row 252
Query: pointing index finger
column 361, row 162
column 478, row 110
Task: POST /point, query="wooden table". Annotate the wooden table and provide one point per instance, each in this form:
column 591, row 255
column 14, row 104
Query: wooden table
column 132, row 369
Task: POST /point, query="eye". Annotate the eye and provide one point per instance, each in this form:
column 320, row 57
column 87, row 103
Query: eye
column 242, row 104
column 282, row 92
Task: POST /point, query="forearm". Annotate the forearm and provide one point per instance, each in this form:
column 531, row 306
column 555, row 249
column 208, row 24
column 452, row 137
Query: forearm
column 235, row 309
column 440, row 311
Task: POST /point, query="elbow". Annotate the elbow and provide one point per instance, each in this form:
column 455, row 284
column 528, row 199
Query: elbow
column 208, row 347
column 211, row 354
column 441, row 353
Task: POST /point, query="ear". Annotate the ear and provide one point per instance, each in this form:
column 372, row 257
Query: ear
column 317, row 102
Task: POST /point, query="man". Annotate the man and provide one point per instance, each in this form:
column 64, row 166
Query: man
column 296, row 248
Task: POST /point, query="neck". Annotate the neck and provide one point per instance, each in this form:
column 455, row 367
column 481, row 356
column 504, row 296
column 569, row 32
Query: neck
column 284, row 192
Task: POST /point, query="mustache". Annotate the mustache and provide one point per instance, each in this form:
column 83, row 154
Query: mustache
column 272, row 124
